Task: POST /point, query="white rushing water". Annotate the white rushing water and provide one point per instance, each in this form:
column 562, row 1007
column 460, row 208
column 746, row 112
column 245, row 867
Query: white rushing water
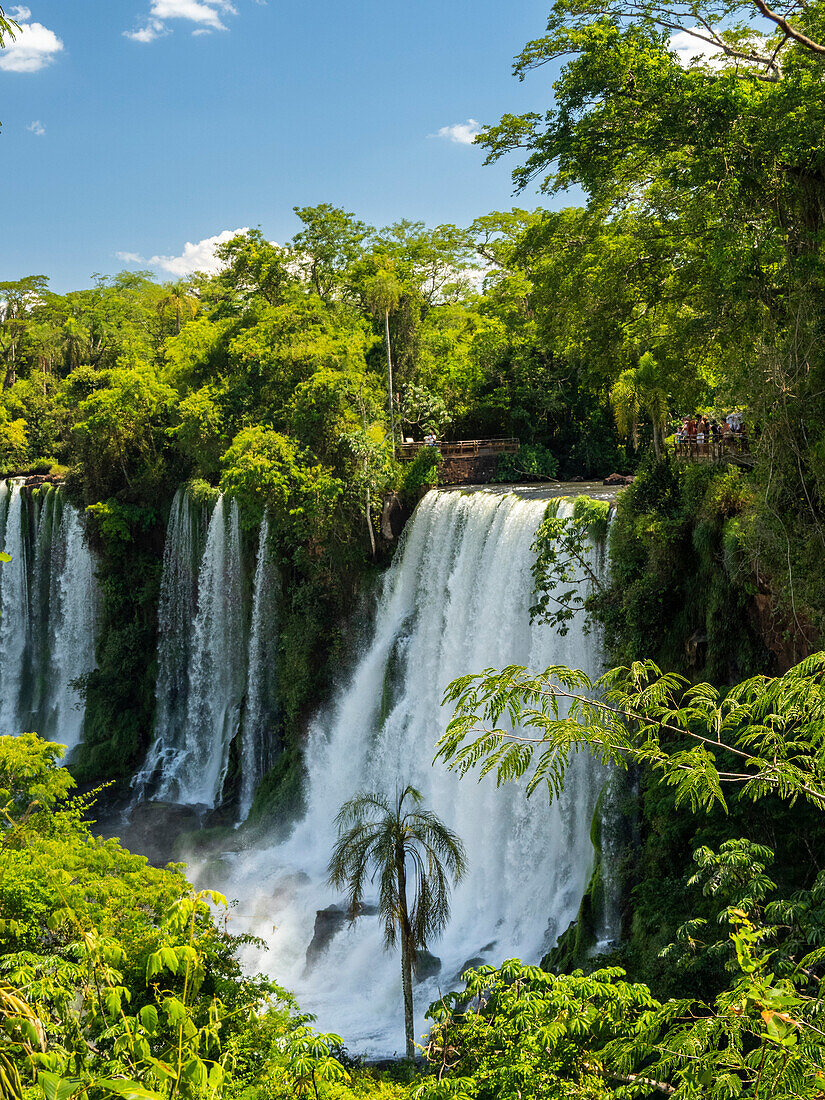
column 202, row 667
column 48, row 612
column 456, row 600
column 257, row 749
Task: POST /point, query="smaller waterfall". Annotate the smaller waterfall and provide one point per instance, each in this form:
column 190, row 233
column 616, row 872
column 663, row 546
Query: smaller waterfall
column 72, row 628
column 48, row 614
column 14, row 611
column 202, row 658
column 176, row 614
column 261, row 705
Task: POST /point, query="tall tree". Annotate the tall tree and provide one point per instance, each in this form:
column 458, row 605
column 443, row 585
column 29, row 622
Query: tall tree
column 380, row 837
column 330, row 243
column 638, row 390
column 383, row 293
column 17, row 301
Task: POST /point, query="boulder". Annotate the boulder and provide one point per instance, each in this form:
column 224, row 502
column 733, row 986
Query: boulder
column 328, row 923
column 618, row 479
column 471, row 964
column 426, row 965
column 154, row 827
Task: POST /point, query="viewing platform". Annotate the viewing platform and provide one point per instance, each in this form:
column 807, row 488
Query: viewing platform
column 729, row 448
column 463, row 448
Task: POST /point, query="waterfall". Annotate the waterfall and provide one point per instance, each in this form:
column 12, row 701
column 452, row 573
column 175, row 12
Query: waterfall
column 456, row 600
column 202, row 659
column 48, row 611
column 259, row 715
column 14, row 611
column 177, row 608
column 71, row 626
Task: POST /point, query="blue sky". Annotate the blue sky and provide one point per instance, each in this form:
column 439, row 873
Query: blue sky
column 131, row 127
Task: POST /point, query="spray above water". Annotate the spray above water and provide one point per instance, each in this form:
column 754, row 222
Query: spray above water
column 456, row 600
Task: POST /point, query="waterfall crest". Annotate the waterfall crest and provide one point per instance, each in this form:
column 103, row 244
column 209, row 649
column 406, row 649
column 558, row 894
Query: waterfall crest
column 48, row 613
column 456, row 600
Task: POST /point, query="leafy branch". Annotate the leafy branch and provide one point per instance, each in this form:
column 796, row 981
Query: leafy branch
column 765, row 735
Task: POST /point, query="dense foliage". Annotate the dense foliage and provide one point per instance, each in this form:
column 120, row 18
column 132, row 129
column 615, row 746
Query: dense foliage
column 691, row 278
column 117, row 979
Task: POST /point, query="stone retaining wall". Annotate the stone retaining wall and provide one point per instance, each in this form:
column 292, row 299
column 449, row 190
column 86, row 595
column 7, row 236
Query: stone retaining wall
column 477, row 469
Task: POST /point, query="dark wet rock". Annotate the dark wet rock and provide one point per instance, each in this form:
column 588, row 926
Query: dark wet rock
column 426, row 965
column 618, row 479
column 153, row 829
column 471, row 964
column 394, row 515
column 328, row 923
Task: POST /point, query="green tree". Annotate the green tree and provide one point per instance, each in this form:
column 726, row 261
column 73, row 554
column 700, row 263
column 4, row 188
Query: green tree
column 377, row 836
column 17, row 301
column 329, row 244
column 178, row 301
column 383, row 293
column 636, row 391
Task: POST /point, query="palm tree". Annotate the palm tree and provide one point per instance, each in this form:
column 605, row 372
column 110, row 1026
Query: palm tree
column 178, row 300
column 383, row 293
column 638, row 390
column 377, row 837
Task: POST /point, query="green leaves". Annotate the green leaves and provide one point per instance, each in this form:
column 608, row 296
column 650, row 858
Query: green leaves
column 771, row 730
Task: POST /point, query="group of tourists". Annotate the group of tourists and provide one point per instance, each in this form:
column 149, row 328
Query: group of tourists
column 703, row 429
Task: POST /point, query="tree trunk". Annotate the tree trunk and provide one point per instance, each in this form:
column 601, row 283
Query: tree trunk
column 407, row 956
column 389, row 378
column 368, row 513
column 11, row 371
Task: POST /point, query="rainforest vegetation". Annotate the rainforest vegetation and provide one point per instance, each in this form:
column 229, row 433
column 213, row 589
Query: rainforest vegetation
column 690, row 278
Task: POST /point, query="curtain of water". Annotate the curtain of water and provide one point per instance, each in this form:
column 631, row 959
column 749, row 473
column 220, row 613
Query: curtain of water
column 257, row 746
column 456, row 600
column 48, row 612
column 202, row 657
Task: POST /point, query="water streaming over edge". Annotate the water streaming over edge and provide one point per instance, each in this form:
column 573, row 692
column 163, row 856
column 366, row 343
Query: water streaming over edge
column 211, row 686
column 455, row 600
column 48, row 612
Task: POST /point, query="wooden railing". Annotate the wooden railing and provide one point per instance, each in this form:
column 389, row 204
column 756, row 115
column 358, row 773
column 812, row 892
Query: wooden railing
column 463, row 448
column 715, row 450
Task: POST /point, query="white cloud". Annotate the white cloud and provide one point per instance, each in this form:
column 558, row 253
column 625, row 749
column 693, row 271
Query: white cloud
column 130, row 257
column 20, row 14
column 462, row 133
column 33, row 47
column 153, row 29
column 37, row 128
column 206, row 14
column 687, row 46
column 196, row 257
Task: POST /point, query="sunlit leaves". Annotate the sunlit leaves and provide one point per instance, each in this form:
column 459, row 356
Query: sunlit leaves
column 765, row 735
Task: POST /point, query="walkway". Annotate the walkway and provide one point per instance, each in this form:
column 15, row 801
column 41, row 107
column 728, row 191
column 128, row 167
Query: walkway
column 730, row 448
column 463, row 448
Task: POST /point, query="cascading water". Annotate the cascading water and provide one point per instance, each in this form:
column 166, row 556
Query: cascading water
column 201, row 657
column 14, row 612
column 48, row 602
column 256, row 743
column 456, row 600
